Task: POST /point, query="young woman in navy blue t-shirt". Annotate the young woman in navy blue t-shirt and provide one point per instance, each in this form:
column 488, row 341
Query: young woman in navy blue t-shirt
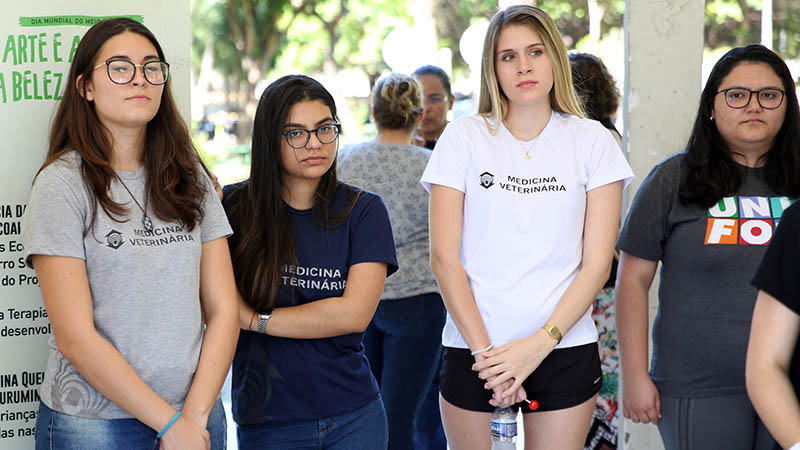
column 310, row 257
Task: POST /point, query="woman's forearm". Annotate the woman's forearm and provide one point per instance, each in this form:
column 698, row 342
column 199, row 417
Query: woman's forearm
column 216, row 355
column 332, row 316
column 775, row 400
column 632, row 304
column 218, row 300
column 460, row 303
column 580, row 296
column 773, row 340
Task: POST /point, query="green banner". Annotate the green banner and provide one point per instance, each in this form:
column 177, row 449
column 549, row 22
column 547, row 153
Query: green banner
column 87, row 21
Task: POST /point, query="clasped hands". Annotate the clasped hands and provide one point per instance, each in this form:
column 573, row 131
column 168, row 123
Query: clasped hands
column 506, row 367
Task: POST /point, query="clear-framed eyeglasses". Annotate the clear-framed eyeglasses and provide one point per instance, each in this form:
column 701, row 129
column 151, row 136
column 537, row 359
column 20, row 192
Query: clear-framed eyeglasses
column 122, row 71
column 738, row 98
column 299, row 137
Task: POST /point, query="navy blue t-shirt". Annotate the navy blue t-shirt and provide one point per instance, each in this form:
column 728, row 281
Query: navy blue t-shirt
column 286, row 379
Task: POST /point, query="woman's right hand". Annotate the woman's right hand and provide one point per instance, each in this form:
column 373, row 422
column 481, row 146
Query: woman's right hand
column 504, row 402
column 185, row 435
column 641, row 401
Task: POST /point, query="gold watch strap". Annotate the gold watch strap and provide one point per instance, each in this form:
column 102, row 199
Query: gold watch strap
column 554, row 332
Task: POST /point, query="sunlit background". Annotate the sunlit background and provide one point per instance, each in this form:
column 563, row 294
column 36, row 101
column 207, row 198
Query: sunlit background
column 239, row 46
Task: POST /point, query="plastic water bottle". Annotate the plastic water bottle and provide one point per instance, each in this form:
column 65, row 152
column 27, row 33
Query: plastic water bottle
column 504, row 429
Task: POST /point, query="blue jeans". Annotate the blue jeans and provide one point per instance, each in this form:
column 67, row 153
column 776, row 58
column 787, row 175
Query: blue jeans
column 55, row 430
column 429, row 432
column 403, row 344
column 362, row 429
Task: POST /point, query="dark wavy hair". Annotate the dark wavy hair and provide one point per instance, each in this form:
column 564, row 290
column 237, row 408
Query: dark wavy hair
column 266, row 240
column 709, row 172
column 594, row 85
column 170, row 158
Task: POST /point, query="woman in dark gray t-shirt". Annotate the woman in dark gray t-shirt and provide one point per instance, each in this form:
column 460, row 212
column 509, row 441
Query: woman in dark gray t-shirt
column 706, row 215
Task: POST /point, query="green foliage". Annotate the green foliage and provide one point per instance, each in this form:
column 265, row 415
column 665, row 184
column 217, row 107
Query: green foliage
column 732, row 23
column 356, row 27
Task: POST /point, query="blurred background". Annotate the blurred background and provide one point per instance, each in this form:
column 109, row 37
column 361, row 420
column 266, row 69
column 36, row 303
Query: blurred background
column 240, row 46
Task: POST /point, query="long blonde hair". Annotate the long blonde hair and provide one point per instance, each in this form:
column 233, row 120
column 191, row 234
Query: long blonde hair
column 493, row 104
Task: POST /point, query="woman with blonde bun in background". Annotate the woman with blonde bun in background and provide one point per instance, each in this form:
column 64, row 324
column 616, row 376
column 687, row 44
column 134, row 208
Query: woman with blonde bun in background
column 403, row 341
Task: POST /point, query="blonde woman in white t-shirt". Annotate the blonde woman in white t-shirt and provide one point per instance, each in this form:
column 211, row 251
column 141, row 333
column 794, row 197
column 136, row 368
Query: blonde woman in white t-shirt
column 523, row 214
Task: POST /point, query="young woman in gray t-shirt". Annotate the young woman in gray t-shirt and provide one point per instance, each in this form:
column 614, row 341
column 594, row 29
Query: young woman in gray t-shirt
column 128, row 240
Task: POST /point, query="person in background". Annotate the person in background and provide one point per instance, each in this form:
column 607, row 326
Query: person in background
column 773, row 359
column 597, row 90
column 438, row 100
column 403, row 341
column 524, row 211
column 706, row 214
column 599, row 96
column 127, row 237
column 310, row 256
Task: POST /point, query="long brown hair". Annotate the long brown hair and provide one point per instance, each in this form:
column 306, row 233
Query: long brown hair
column 171, row 160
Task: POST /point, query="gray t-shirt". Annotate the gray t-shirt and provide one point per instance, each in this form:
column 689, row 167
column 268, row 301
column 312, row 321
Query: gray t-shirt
column 144, row 285
column 708, row 257
column 393, row 172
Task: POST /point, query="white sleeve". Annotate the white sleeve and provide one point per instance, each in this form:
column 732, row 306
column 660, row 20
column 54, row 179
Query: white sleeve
column 449, row 162
column 606, row 163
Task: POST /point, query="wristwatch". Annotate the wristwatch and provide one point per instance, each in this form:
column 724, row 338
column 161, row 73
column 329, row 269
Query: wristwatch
column 263, row 320
column 553, row 331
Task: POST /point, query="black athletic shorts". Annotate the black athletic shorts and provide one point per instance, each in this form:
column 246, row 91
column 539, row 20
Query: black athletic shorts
column 566, row 378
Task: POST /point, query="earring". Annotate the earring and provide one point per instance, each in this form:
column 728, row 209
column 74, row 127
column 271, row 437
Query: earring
column 711, row 118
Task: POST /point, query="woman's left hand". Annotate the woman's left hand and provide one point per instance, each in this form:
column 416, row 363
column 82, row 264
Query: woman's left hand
column 516, row 359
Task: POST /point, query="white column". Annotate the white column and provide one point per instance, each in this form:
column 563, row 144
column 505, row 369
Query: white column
column 664, row 53
column 766, row 23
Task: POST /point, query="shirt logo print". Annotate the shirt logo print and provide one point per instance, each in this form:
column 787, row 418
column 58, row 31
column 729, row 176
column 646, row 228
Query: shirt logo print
column 487, row 180
column 114, row 239
column 744, row 220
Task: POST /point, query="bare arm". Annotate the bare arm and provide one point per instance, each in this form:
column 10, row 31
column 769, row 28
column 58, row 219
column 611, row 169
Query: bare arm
column 520, row 358
column 773, row 337
column 65, row 289
column 218, row 300
column 446, row 218
column 332, row 316
column 641, row 401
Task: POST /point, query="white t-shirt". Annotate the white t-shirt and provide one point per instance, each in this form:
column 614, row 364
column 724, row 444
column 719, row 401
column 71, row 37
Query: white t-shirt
column 522, row 236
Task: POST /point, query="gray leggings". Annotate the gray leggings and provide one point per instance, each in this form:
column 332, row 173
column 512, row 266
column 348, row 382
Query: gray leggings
column 726, row 422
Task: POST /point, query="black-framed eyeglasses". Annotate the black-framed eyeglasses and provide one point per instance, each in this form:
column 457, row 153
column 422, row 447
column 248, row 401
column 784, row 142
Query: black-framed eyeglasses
column 738, row 98
column 122, row 71
column 299, row 137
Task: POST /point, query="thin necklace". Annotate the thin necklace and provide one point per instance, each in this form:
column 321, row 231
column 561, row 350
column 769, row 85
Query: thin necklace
column 148, row 224
column 527, row 150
